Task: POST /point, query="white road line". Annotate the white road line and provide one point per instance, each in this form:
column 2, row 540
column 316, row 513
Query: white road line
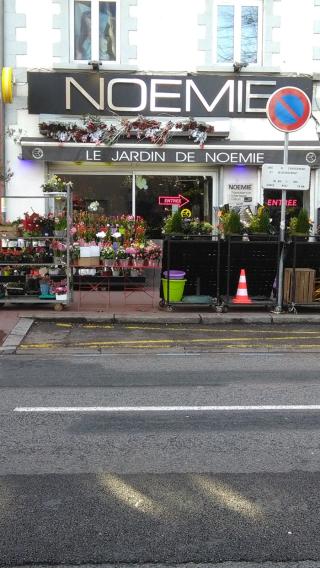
column 115, row 409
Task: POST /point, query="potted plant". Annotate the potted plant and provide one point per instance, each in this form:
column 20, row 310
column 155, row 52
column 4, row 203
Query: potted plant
column 259, row 225
column 300, row 226
column 230, row 223
column 122, row 257
column 174, row 224
column 55, row 184
column 108, row 255
column 60, row 225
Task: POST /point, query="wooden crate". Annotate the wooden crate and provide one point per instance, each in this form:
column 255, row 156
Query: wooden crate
column 87, row 261
column 8, row 231
column 304, row 285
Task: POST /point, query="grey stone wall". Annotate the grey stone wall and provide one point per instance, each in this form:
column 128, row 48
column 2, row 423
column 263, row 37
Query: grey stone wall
column 12, row 48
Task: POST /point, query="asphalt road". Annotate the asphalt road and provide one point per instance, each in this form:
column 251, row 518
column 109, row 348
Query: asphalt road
column 157, row 486
column 47, row 336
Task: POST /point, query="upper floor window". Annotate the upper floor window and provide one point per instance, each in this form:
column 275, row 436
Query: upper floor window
column 238, row 31
column 95, row 30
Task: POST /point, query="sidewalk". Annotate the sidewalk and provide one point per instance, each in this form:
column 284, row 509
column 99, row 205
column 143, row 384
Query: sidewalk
column 15, row 320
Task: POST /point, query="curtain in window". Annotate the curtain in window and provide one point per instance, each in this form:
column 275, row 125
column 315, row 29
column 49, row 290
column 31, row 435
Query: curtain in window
column 82, row 30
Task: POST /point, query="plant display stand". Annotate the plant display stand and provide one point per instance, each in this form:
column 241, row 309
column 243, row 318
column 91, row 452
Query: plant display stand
column 28, row 261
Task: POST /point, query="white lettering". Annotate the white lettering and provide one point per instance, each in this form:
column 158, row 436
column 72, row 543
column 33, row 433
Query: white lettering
column 221, row 159
column 240, row 89
column 245, row 159
column 228, row 86
column 139, row 156
column 181, row 156
column 250, row 96
column 210, row 158
column 143, row 94
column 70, row 81
column 154, row 94
column 159, row 157
column 93, row 156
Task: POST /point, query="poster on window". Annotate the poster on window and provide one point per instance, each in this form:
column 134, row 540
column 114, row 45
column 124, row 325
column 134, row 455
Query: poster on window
column 240, row 187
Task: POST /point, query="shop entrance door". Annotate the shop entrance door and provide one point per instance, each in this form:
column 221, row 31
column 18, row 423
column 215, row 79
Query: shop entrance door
column 149, row 187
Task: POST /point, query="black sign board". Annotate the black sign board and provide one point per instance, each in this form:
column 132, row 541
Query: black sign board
column 133, row 154
column 78, row 93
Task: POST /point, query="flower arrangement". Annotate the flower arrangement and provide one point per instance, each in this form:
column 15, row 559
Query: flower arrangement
column 300, row 225
column 58, row 247
column 175, row 224
column 96, row 131
column 90, row 226
column 108, row 252
column 55, row 184
column 260, row 221
column 93, row 206
column 31, row 225
column 230, row 222
column 60, row 222
column 61, row 289
column 153, row 252
column 121, row 253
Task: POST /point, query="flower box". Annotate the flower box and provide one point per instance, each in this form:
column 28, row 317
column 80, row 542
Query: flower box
column 90, row 252
column 88, row 261
column 61, row 297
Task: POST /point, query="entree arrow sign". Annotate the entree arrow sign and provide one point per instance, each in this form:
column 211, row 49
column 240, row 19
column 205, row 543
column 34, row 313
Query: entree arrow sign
column 179, row 200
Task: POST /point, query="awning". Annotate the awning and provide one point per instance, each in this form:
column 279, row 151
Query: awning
column 223, row 153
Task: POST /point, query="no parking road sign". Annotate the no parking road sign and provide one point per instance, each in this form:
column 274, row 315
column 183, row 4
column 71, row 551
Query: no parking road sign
column 288, row 109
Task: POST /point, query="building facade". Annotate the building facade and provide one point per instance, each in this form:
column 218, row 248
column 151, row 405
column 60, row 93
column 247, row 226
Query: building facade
column 128, row 75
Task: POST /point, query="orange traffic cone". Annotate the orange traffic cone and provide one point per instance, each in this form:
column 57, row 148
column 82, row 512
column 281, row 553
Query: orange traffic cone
column 242, row 293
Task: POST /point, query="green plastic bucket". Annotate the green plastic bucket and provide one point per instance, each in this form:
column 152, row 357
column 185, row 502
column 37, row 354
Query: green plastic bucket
column 176, row 289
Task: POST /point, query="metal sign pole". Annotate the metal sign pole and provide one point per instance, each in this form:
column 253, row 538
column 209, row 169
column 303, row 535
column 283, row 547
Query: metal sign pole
column 282, row 228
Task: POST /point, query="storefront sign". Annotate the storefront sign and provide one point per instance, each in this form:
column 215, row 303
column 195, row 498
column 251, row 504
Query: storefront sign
column 179, row 200
column 135, row 154
column 278, row 202
column 78, row 93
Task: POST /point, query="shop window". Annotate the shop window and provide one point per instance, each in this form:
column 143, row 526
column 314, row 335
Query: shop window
column 197, row 189
column 95, row 30
column 106, row 195
column 238, row 31
column 272, row 200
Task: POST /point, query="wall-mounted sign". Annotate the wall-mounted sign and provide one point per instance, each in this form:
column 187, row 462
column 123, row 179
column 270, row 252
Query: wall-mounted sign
column 284, row 176
column 179, row 200
column 240, row 186
column 240, row 194
column 186, row 213
column 38, row 149
column 78, row 93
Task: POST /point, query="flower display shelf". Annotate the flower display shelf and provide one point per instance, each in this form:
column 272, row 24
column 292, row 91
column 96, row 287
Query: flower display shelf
column 28, row 275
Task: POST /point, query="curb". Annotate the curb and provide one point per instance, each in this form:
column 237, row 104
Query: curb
column 15, row 338
column 203, row 318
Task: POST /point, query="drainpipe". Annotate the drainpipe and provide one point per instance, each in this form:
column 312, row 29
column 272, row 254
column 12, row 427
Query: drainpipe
column 2, row 106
